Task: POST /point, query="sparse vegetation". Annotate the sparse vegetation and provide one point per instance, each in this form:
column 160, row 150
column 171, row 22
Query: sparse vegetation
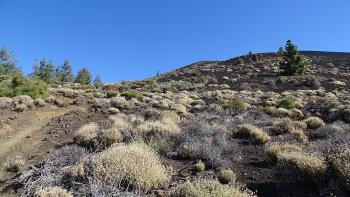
column 208, row 129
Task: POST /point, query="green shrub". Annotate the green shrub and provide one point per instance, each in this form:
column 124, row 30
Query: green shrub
column 20, row 85
column 235, row 104
column 132, row 94
column 226, row 176
column 288, row 103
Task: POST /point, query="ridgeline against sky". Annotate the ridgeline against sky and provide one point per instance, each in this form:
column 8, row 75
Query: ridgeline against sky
column 127, row 40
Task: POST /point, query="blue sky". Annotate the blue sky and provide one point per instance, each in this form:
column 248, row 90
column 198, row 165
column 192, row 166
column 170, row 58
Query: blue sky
column 132, row 39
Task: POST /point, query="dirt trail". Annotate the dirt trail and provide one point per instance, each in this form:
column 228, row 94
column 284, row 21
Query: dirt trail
column 23, row 134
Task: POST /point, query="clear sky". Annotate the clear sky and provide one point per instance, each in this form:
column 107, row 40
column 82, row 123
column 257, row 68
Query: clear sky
column 132, row 39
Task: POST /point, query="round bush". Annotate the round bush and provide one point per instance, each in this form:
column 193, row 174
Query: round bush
column 314, row 122
column 226, row 176
column 132, row 165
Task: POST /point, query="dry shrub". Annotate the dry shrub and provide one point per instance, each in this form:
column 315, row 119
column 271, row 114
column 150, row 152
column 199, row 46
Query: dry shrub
column 329, row 130
column 199, row 166
column 24, row 100
column 253, row 134
column 20, row 107
column 113, row 110
column 119, row 121
column 297, row 166
column 86, row 135
column 132, row 166
column 120, row 103
column 314, row 122
column 275, row 150
column 52, row 192
column 294, row 164
column 208, row 188
column 340, row 162
column 14, row 164
column 39, row 102
column 74, row 172
column 287, row 125
column 345, row 114
column 226, row 176
column 110, row 136
column 201, row 140
column 166, row 125
column 66, row 92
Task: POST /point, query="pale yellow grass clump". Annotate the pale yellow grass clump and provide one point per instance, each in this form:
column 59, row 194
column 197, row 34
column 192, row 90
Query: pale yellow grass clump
column 254, row 134
column 167, row 124
column 134, row 164
column 314, row 122
column 275, row 150
column 52, row 192
column 119, row 121
column 300, row 164
column 207, row 188
column 86, row 135
column 110, row 136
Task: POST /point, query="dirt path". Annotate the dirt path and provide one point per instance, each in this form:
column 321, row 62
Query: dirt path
column 23, row 134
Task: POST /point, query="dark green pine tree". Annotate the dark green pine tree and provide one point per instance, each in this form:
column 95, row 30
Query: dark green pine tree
column 8, row 64
column 67, row 74
column 293, row 62
column 45, row 71
column 58, row 74
column 83, row 77
column 98, row 81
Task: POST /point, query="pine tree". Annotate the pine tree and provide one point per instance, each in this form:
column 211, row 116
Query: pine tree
column 58, row 74
column 67, row 75
column 83, row 77
column 293, row 62
column 98, row 81
column 8, row 63
column 45, row 71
